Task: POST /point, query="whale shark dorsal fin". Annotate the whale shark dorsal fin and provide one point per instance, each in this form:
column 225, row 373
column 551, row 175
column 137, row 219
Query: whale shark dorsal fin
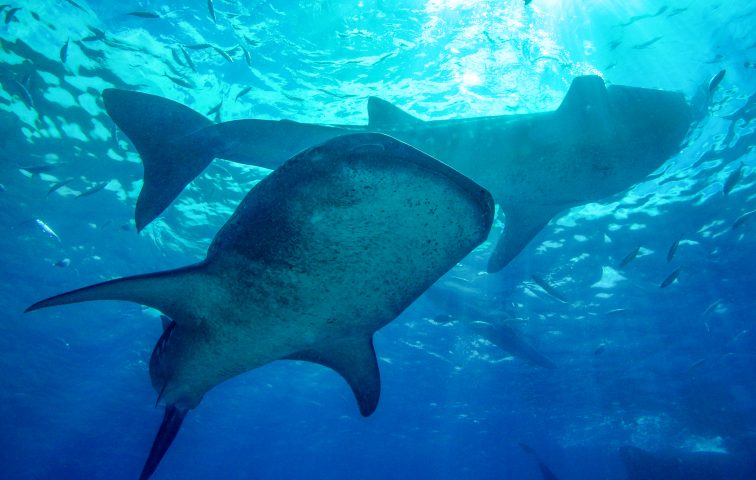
column 383, row 114
column 353, row 359
column 586, row 93
column 586, row 107
column 521, row 225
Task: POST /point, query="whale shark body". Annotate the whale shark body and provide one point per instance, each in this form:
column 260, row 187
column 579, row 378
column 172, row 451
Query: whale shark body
column 507, row 338
column 684, row 465
column 496, row 329
column 320, row 254
column 600, row 141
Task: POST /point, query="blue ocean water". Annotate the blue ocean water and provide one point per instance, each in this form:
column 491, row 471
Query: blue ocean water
column 662, row 369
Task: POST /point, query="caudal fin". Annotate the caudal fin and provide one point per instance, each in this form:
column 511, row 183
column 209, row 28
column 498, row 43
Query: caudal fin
column 172, row 420
column 161, row 130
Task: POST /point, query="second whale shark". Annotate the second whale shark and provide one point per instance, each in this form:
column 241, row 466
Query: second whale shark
column 600, row 141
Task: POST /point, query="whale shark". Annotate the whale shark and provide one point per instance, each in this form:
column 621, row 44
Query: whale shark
column 685, row 465
column 501, row 333
column 546, row 472
column 483, row 319
column 504, row 336
column 599, row 142
column 319, row 255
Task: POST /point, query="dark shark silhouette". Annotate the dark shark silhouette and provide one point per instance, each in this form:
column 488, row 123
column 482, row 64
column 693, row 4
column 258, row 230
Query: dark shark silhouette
column 600, row 141
column 546, row 472
column 493, row 324
column 511, row 341
column 320, row 254
column 678, row 465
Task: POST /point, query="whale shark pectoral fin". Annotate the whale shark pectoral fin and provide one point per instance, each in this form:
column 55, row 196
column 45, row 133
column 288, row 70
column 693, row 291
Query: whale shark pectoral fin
column 173, row 292
column 522, row 223
column 172, row 420
column 353, row 359
column 161, row 130
column 382, row 114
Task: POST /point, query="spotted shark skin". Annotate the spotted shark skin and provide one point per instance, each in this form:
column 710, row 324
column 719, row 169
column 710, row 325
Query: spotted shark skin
column 319, row 255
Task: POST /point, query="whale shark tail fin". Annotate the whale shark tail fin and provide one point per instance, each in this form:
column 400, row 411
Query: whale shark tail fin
column 159, row 129
column 172, row 420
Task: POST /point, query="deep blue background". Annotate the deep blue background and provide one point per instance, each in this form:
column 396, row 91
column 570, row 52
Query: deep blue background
column 75, row 399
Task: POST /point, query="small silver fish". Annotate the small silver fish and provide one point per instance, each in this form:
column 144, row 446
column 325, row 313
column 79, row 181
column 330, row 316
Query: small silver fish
column 10, row 15
column 199, row 46
column 76, row 5
column 696, row 364
column 62, row 263
column 233, row 50
column 97, row 34
column 732, row 179
column 93, row 190
column 211, row 10
column 629, row 257
column 188, row 58
column 641, row 46
column 243, row 92
column 716, row 80
column 223, row 54
column 443, row 318
column 177, row 58
column 712, row 307
column 670, row 278
column 64, row 52
column 142, row 14
column 672, row 250
column 742, row 219
column 549, row 289
column 58, row 185
column 37, row 169
column 46, row 228
column 179, row 81
column 25, row 95
column 215, row 109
